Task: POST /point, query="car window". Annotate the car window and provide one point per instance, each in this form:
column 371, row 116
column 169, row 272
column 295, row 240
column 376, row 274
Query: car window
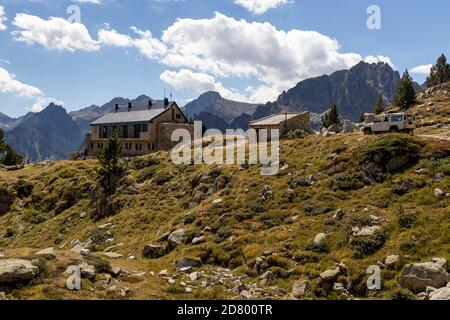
column 397, row 118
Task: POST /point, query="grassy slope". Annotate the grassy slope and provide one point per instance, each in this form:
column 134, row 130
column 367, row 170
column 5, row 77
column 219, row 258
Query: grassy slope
column 151, row 210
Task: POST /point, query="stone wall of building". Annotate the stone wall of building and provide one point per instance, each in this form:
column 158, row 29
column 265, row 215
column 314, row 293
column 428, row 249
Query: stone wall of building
column 165, row 131
column 158, row 136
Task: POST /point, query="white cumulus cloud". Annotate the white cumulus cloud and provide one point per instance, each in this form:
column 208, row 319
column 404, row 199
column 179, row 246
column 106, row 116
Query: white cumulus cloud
column 422, row 69
column 53, row 34
column 376, row 59
column 9, row 84
column 43, row 102
column 224, row 46
column 188, row 81
column 260, row 6
column 3, row 18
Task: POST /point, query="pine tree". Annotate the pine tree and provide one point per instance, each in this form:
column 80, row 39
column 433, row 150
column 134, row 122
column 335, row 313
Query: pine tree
column 378, row 108
column 331, row 118
column 406, row 95
column 440, row 72
column 109, row 160
column 11, row 158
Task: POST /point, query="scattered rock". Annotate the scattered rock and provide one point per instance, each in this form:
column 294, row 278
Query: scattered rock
column 300, row 287
column 163, row 273
column 418, row 276
column 115, row 271
column 113, row 255
column 177, row 237
column 339, row 214
column 438, row 192
column 365, row 231
column 198, row 240
column 16, row 270
column 154, row 251
column 338, row 287
column 330, row 275
column 440, row 294
column 320, row 238
column 392, row 262
column 187, row 262
column 193, row 276
column 266, row 192
column 48, row 254
column 403, row 188
column 440, row 261
column 217, row 201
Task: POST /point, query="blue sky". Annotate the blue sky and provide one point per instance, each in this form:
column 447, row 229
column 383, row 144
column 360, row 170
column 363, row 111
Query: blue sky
column 248, row 50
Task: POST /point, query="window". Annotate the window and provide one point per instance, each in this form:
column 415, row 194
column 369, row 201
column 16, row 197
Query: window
column 397, row 117
column 144, row 127
column 173, row 114
column 178, row 116
column 125, row 132
column 92, row 146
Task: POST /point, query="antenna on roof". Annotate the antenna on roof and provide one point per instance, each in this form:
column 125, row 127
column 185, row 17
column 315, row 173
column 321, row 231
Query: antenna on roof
column 164, row 89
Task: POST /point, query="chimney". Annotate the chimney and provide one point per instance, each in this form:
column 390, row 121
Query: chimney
column 166, row 102
column 129, row 106
column 150, row 104
column 116, row 108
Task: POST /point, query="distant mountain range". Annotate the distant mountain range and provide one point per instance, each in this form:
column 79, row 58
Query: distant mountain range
column 50, row 134
column 354, row 91
column 53, row 133
column 210, row 105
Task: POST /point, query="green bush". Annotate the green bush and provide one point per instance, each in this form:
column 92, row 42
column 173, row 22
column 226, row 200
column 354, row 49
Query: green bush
column 23, row 188
column 402, row 294
column 146, row 174
column 365, row 246
column 161, row 178
column 392, row 153
column 407, row 220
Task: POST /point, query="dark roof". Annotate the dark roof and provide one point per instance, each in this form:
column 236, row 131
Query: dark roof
column 129, row 117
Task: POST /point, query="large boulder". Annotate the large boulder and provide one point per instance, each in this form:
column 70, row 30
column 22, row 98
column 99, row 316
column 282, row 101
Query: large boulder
column 417, row 276
column 17, row 270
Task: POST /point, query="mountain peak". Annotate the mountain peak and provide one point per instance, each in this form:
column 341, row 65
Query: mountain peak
column 211, row 95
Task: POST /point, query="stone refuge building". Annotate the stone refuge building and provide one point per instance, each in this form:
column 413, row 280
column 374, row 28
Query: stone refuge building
column 141, row 132
column 285, row 122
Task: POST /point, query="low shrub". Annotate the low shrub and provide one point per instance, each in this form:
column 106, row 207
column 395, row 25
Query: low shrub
column 365, row 246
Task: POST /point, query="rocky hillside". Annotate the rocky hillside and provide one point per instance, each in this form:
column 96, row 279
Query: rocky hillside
column 50, row 134
column 339, row 205
column 354, row 91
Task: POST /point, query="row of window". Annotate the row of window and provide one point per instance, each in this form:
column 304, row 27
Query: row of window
column 129, row 146
column 124, row 131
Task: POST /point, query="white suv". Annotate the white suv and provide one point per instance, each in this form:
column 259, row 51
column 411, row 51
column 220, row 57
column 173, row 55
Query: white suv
column 390, row 122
